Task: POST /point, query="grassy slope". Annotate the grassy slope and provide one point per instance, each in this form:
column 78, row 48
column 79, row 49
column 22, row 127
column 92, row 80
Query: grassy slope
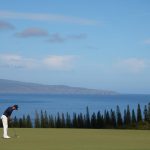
column 76, row 139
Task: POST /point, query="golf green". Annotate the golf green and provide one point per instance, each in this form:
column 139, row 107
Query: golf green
column 76, row 139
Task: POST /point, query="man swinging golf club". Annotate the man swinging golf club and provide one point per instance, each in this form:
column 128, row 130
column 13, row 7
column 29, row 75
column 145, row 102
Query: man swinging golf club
column 5, row 118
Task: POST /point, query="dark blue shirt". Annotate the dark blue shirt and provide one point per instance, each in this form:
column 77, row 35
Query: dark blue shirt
column 8, row 112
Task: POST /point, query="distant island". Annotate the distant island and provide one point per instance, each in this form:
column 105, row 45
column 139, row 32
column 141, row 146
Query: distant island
column 17, row 87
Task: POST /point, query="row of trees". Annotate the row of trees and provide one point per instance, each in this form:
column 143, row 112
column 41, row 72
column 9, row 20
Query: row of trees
column 129, row 119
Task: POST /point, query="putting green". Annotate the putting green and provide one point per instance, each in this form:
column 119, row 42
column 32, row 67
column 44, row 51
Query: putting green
column 76, row 139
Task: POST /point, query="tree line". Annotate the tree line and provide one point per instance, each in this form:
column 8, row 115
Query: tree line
column 109, row 119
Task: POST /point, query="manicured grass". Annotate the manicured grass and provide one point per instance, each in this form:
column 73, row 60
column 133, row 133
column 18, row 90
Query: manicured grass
column 77, row 139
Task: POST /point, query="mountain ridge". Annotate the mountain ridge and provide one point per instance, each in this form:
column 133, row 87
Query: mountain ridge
column 19, row 87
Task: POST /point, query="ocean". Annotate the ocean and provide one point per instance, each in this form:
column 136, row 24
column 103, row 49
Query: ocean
column 29, row 103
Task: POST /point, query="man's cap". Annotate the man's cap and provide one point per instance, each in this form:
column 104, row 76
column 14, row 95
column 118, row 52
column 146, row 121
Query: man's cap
column 16, row 106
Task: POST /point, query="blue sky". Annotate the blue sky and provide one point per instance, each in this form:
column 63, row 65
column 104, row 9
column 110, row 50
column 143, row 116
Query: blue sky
column 102, row 44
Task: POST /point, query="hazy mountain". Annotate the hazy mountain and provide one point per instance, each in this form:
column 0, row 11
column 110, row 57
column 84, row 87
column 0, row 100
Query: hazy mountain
column 9, row 86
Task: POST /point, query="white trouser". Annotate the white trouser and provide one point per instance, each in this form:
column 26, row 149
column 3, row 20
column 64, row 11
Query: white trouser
column 5, row 125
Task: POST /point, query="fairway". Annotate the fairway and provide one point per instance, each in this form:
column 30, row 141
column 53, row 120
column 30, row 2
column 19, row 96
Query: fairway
column 76, row 139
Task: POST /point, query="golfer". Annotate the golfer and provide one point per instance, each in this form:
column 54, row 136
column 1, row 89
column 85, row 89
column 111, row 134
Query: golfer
column 5, row 118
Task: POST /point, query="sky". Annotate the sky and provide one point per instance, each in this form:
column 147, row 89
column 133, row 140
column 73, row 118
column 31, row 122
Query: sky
column 100, row 44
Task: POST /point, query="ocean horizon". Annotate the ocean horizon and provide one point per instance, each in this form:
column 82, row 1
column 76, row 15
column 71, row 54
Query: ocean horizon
column 30, row 103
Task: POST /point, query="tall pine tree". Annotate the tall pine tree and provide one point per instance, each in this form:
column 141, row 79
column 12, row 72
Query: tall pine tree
column 119, row 118
column 128, row 119
column 133, row 120
column 145, row 114
column 37, row 123
column 87, row 119
column 139, row 114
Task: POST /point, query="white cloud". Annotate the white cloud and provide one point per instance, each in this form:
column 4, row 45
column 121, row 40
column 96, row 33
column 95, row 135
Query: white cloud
column 132, row 65
column 47, row 17
column 59, row 62
column 52, row 62
column 16, row 61
column 32, row 32
column 57, row 38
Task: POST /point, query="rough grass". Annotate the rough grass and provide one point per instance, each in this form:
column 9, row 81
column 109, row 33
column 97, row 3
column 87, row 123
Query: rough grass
column 76, row 139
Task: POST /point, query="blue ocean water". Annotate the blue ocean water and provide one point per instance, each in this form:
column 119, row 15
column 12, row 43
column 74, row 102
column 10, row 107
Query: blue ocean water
column 29, row 103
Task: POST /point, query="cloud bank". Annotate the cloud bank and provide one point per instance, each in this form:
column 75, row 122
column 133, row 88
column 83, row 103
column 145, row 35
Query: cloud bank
column 47, row 17
column 132, row 65
column 59, row 62
column 57, row 38
column 52, row 38
column 32, row 32
column 53, row 62
column 16, row 61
